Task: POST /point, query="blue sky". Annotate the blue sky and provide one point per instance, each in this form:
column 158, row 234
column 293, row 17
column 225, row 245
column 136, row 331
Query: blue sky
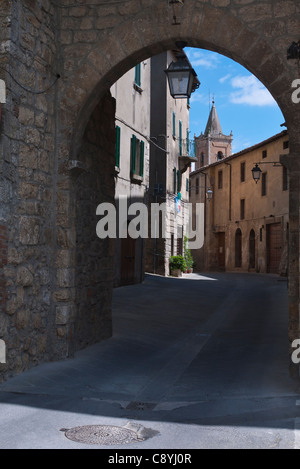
column 243, row 104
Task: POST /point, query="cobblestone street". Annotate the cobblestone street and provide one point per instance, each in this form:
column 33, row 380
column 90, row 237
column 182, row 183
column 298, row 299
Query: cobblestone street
column 207, row 372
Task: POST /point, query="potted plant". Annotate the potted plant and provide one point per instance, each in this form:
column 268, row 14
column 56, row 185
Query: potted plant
column 177, row 265
column 188, row 256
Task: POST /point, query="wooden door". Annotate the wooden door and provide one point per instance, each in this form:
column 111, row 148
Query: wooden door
column 221, row 250
column 274, row 247
column 127, row 260
column 252, row 249
column 238, row 248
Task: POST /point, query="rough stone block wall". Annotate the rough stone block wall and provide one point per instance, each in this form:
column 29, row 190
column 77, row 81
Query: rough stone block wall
column 27, row 138
column 94, row 256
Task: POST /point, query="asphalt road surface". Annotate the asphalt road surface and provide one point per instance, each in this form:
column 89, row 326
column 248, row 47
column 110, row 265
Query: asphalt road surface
column 196, row 362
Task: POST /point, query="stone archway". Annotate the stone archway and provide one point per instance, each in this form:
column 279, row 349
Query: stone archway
column 235, row 31
column 92, row 45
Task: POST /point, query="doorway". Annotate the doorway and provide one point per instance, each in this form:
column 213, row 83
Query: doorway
column 274, row 247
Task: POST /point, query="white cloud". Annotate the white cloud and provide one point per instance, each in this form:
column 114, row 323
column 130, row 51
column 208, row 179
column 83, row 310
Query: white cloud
column 223, row 79
column 198, row 98
column 250, row 91
column 203, row 59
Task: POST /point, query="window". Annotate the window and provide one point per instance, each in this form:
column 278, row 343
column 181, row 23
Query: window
column 174, row 125
column 188, row 102
column 187, row 141
column 202, row 159
column 284, row 178
column 197, row 185
column 174, row 180
column 180, row 138
column 242, row 209
column 137, row 77
column 260, row 234
column 264, row 153
column 220, row 179
column 137, row 157
column 220, row 155
column 187, row 185
column 243, row 167
column 285, row 144
column 117, row 147
column 178, row 180
column 264, row 184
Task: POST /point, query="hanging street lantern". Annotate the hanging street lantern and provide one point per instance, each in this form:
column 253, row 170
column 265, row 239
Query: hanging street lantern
column 209, row 194
column 256, row 173
column 182, row 77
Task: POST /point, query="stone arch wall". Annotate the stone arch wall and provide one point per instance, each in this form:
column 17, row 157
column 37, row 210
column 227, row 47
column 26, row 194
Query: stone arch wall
column 92, row 45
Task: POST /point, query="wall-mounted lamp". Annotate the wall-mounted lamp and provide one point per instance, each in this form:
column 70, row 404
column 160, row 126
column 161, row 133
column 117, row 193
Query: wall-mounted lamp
column 182, row 77
column 209, row 194
column 256, row 171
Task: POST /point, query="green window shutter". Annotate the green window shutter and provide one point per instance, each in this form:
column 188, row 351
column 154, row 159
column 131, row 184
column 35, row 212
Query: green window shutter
column 188, row 141
column 178, row 180
column 133, row 154
column 180, row 138
column 137, row 78
column 187, row 184
column 174, row 180
column 174, row 125
column 142, row 151
column 117, row 149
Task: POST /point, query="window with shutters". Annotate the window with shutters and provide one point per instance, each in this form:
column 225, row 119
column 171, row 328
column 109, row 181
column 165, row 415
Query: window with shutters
column 178, row 181
column 284, row 178
column 243, row 172
column 220, row 179
column 174, row 180
column 173, row 125
column 180, row 138
column 137, row 76
column 264, row 184
column 137, row 158
column 117, row 147
column 242, row 209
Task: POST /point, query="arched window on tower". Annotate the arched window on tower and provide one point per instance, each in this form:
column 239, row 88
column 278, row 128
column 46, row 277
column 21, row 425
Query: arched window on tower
column 220, row 155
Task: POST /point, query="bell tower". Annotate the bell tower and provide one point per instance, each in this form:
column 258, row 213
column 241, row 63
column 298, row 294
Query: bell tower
column 212, row 145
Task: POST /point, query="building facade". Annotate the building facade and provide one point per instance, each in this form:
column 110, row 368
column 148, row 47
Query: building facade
column 170, row 158
column 132, row 94
column 246, row 223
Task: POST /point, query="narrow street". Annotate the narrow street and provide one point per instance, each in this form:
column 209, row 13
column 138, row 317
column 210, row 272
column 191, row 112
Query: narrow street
column 196, row 362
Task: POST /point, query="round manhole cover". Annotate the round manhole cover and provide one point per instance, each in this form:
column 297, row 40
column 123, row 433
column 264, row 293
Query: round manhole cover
column 102, row 435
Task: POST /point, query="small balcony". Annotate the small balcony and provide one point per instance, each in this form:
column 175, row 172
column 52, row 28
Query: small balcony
column 187, row 153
